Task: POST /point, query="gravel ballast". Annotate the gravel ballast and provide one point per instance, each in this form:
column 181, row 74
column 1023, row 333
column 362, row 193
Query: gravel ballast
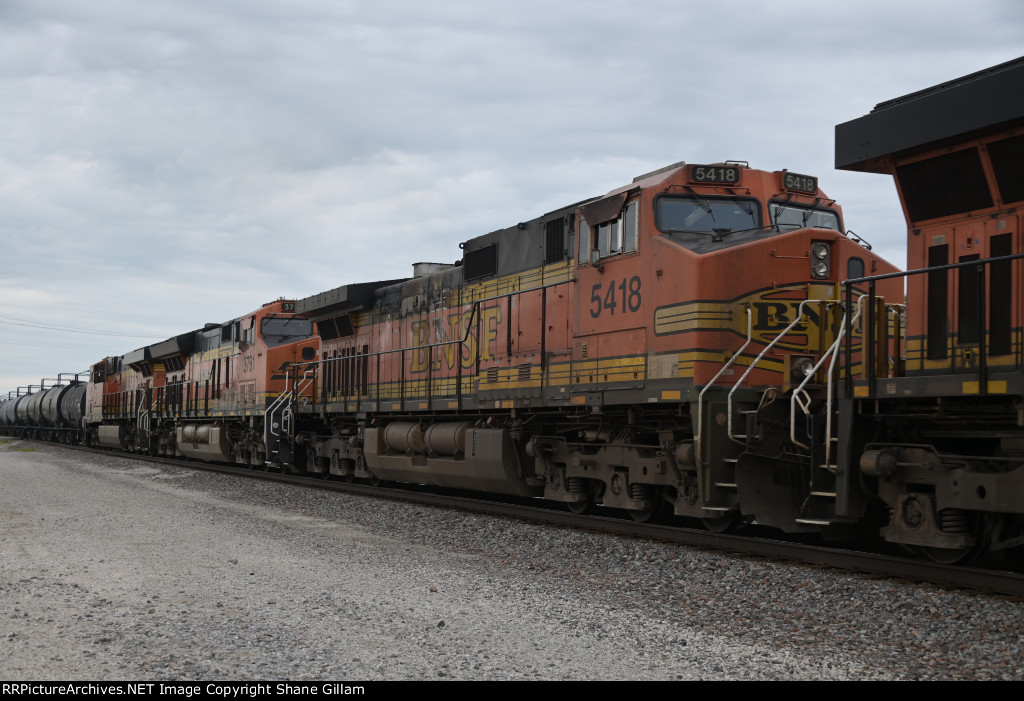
column 113, row 569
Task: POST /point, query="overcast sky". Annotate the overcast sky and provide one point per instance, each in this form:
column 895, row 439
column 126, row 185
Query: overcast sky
column 167, row 164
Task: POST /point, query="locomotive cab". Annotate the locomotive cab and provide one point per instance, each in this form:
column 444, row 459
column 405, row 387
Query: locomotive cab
column 717, row 286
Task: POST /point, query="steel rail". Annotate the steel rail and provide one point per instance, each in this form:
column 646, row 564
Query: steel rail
column 856, row 562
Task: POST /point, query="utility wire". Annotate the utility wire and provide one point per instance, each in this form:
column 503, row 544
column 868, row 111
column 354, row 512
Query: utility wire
column 70, row 329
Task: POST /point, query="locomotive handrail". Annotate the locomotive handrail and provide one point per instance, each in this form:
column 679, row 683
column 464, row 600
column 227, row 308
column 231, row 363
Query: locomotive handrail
column 474, row 317
column 142, row 418
column 700, row 397
column 378, row 353
column 832, row 354
column 979, row 264
column 281, row 400
column 799, row 315
column 798, row 393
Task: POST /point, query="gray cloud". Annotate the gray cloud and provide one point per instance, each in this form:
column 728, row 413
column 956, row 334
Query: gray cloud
column 167, row 164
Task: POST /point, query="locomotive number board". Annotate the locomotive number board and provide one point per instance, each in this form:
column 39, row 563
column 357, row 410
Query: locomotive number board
column 800, row 183
column 715, row 175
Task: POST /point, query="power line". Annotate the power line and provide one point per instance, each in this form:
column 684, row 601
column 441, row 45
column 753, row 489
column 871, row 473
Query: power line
column 69, row 329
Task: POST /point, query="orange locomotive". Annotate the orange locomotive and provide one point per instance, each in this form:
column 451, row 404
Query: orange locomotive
column 942, row 444
column 210, row 394
column 704, row 341
column 650, row 349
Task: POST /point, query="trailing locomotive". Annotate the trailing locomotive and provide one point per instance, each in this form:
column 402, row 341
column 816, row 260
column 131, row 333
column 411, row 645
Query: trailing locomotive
column 206, row 394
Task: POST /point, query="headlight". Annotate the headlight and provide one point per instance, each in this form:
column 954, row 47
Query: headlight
column 802, row 368
column 821, row 260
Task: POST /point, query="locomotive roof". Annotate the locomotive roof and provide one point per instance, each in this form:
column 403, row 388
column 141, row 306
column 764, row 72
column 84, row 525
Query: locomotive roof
column 972, row 104
column 340, row 300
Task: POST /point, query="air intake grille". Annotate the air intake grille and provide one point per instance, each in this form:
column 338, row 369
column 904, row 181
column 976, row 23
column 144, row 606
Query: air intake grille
column 554, row 244
column 481, row 262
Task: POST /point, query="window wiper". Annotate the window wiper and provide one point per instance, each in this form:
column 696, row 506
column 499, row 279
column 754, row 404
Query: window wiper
column 805, row 215
column 702, row 203
column 776, row 211
column 717, row 234
column 753, row 228
column 745, row 206
column 688, row 231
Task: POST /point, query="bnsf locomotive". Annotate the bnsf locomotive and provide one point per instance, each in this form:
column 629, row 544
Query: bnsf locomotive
column 704, row 341
column 637, row 350
column 941, row 440
column 203, row 394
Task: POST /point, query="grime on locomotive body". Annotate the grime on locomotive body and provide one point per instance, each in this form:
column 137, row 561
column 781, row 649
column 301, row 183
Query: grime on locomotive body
column 204, row 394
column 666, row 347
column 942, row 441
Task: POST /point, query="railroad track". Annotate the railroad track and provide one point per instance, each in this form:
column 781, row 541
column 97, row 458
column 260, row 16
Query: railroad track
column 982, row 579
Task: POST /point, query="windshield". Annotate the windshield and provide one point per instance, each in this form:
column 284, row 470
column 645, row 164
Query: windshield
column 797, row 217
column 277, row 331
column 707, row 214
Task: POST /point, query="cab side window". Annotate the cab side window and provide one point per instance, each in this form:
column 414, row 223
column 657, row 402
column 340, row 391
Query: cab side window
column 610, row 238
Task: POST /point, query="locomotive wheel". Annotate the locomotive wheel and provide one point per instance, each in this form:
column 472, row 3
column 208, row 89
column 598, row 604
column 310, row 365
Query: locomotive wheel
column 581, row 507
column 586, row 506
column 950, row 556
column 643, row 515
column 957, row 556
column 723, row 524
column 651, row 514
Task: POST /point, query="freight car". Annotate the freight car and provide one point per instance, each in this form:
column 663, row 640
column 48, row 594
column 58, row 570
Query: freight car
column 53, row 413
column 941, row 440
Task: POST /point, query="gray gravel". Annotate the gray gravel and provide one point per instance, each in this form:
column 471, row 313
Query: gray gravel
column 116, row 570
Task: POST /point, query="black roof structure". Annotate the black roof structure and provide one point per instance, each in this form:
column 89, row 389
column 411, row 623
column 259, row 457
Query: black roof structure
column 989, row 99
column 341, row 300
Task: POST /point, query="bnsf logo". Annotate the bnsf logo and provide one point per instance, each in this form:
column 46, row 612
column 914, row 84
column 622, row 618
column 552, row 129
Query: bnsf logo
column 775, row 316
column 771, row 312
